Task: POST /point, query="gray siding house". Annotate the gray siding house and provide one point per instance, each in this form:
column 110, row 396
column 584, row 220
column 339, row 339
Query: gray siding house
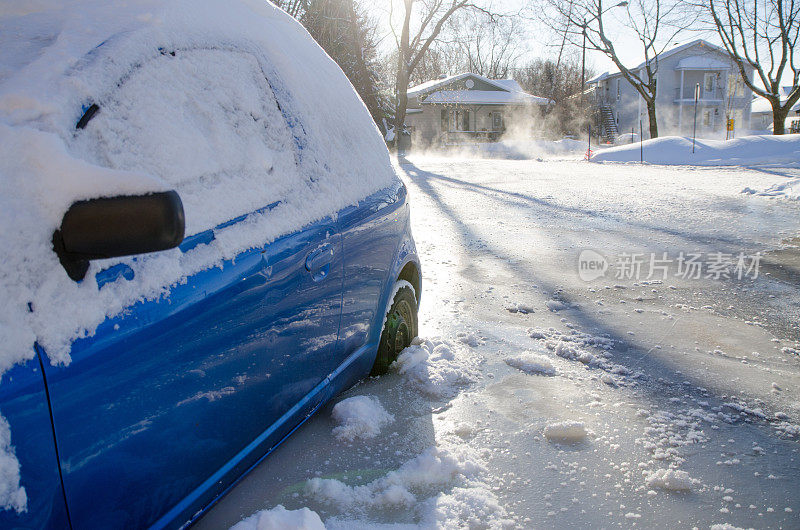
column 723, row 95
column 467, row 108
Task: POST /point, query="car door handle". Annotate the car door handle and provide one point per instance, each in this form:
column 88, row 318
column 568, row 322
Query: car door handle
column 318, row 262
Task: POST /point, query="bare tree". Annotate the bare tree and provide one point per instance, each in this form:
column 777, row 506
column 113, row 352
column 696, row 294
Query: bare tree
column 482, row 44
column 655, row 23
column 762, row 34
column 412, row 45
column 560, row 81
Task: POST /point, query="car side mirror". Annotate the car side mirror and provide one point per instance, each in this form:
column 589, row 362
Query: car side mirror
column 118, row 226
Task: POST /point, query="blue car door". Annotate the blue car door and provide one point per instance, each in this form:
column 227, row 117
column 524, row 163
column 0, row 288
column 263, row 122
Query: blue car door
column 371, row 232
column 168, row 402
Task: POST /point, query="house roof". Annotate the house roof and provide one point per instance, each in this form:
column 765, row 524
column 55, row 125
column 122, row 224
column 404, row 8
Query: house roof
column 509, row 92
column 694, row 62
column 761, row 105
column 483, row 97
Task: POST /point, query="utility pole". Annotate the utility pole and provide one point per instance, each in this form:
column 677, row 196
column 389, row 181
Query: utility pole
column 696, row 97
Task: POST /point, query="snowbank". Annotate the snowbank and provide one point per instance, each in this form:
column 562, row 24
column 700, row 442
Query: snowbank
column 532, row 363
column 359, row 417
column 568, row 432
column 676, row 150
column 279, row 518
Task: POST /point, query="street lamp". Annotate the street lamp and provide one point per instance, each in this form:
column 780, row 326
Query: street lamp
column 583, row 27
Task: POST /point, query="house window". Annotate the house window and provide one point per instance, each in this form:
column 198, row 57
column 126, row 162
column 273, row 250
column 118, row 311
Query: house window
column 459, row 120
column 709, row 84
column 708, row 118
column 445, row 122
column 497, row 121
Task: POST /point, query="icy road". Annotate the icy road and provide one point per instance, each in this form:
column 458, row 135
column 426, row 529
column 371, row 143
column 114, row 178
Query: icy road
column 541, row 397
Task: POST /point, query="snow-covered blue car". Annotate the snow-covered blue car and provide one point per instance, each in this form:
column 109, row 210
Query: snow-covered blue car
column 203, row 242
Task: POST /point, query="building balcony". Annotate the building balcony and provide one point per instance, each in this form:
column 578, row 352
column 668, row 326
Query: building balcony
column 713, row 96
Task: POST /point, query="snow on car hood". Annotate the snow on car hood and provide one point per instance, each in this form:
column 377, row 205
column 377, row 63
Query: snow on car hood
column 59, row 57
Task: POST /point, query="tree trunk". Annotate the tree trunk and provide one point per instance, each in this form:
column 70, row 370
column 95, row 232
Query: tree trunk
column 402, row 102
column 779, row 114
column 651, row 115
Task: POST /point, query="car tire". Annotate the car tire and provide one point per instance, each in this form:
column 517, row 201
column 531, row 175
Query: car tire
column 399, row 329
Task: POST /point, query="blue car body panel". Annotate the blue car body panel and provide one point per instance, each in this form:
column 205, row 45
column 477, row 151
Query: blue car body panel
column 23, row 402
column 164, row 396
column 167, row 405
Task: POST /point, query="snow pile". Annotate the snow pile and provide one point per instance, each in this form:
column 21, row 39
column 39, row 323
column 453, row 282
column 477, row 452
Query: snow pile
column 568, row 432
column 279, row 518
column 434, row 467
column 789, row 189
column 532, row 363
column 359, row 417
column 670, row 480
column 676, row 150
column 232, row 131
column 473, row 507
column 433, row 367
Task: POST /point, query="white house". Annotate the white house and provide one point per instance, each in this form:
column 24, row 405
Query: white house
column 698, row 64
column 467, row 107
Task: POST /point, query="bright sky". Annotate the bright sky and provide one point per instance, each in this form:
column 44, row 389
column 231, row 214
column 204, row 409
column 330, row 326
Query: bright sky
column 544, row 43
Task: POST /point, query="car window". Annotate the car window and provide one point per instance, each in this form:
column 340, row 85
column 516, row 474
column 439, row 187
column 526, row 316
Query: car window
column 207, row 122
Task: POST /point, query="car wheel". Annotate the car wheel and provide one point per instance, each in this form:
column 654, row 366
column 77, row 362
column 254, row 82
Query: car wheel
column 398, row 331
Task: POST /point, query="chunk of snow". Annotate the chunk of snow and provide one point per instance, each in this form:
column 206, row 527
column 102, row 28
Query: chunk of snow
column 434, row 369
column 279, row 518
column 359, row 417
column 555, row 305
column 568, row 432
column 12, row 495
column 532, row 363
column 671, row 480
column 434, row 467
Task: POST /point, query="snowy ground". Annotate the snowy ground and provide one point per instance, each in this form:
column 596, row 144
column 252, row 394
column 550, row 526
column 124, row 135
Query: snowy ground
column 537, row 399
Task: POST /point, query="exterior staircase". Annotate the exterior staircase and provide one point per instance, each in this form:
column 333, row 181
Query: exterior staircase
column 608, row 125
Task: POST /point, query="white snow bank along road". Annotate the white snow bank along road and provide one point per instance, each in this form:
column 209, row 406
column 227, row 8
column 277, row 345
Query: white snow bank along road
column 234, row 121
column 676, row 150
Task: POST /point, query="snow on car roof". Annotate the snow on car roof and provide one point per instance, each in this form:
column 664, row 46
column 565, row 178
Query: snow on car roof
column 60, row 57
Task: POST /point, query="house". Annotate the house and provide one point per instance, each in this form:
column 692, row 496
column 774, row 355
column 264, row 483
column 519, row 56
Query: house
column 466, row 108
column 698, row 64
column 761, row 113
